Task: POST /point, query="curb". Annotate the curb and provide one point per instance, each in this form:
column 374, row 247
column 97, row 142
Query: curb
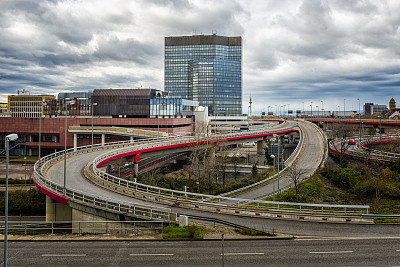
column 107, row 239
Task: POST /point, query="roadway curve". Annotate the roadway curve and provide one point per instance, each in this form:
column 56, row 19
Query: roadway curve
column 77, row 181
column 311, row 156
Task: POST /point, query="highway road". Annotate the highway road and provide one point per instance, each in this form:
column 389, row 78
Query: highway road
column 298, row 252
column 308, row 162
column 77, row 181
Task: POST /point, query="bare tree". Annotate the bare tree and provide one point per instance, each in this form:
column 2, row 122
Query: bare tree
column 338, row 137
column 296, row 175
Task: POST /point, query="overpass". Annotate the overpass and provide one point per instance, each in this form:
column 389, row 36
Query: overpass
column 384, row 125
column 107, row 196
column 358, row 148
column 120, row 131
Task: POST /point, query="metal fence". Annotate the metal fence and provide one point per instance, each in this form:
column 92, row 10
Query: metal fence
column 82, row 227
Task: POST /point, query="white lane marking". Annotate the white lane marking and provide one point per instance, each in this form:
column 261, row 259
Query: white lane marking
column 63, row 255
column 398, row 250
column 244, row 253
column 331, row 252
column 152, row 254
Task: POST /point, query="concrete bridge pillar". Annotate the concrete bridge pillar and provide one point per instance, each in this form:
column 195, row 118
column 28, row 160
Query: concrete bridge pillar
column 56, row 211
column 136, row 164
column 212, row 153
column 103, row 139
column 260, row 147
column 75, row 141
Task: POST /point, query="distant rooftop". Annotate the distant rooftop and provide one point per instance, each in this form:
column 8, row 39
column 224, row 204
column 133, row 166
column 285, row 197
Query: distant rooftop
column 203, row 40
column 122, row 92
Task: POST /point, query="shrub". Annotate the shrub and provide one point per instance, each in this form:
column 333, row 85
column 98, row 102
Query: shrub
column 254, row 232
column 173, row 231
column 346, row 178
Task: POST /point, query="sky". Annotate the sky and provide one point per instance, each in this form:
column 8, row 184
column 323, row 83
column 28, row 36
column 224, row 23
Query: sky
column 328, row 54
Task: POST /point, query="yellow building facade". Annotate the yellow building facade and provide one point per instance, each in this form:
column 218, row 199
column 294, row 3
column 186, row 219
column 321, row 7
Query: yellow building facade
column 27, row 106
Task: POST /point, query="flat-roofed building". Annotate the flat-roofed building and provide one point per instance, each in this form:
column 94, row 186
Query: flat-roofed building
column 25, row 105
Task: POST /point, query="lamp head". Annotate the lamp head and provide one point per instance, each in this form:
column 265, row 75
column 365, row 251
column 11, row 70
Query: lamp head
column 273, row 156
column 12, row 137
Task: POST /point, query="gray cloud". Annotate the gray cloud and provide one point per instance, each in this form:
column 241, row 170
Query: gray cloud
column 294, row 51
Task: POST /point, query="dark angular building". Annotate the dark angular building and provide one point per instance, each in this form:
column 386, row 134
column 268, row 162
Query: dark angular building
column 127, row 103
column 207, row 69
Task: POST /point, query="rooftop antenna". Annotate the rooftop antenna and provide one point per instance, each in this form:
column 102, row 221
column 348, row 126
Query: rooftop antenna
column 250, row 102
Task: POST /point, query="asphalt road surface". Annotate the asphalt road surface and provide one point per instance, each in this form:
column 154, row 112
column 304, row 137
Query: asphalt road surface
column 76, row 180
column 301, row 252
column 308, row 161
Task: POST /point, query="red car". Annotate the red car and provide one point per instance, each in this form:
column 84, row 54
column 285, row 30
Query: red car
column 351, row 142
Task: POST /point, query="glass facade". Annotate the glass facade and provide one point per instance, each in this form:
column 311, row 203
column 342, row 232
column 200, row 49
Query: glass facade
column 171, row 107
column 208, row 73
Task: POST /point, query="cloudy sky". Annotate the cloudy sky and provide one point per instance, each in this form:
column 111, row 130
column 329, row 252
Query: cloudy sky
column 294, row 51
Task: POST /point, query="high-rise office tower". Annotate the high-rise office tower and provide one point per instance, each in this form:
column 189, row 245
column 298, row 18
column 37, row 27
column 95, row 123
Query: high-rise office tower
column 207, row 69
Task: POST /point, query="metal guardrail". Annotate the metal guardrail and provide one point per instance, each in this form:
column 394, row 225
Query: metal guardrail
column 140, row 211
column 214, row 221
column 187, row 199
column 164, row 195
column 120, row 130
column 361, row 151
column 381, row 216
column 80, row 227
column 380, row 153
column 289, row 161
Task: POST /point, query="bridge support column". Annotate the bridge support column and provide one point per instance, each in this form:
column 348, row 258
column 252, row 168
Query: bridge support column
column 212, row 153
column 131, row 138
column 136, row 164
column 260, row 147
column 75, row 141
column 103, row 139
column 55, row 211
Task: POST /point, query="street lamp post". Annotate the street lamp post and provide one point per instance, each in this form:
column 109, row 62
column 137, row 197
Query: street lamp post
column 158, row 120
column 40, row 127
column 359, row 116
column 380, row 131
column 311, row 109
column 344, row 108
column 322, row 108
column 10, row 137
column 65, row 145
column 273, row 179
column 93, row 104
